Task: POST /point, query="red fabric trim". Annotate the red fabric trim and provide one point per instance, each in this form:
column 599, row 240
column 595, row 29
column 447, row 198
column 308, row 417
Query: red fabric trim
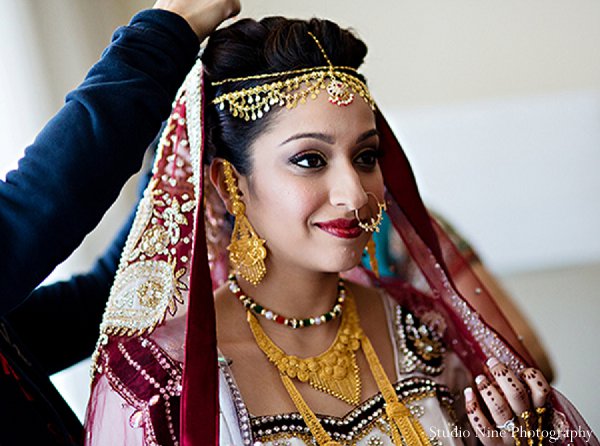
column 200, row 393
column 402, row 186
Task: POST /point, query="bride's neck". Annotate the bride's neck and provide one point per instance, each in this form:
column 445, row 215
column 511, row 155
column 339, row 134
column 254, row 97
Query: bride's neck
column 300, row 295
column 294, row 293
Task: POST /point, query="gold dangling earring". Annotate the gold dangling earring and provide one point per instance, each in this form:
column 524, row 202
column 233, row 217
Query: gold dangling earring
column 371, row 249
column 246, row 249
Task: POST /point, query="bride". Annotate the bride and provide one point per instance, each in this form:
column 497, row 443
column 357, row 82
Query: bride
column 241, row 313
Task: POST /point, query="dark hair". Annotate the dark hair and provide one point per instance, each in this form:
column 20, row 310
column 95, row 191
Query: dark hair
column 250, row 47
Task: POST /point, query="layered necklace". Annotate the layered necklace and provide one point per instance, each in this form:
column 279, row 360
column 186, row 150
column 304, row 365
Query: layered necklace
column 336, row 372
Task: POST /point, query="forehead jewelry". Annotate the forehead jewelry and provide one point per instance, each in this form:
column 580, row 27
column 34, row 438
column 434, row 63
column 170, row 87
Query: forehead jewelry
column 375, row 222
column 341, row 83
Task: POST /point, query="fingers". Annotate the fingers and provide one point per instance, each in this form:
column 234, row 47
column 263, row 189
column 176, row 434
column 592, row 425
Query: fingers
column 235, row 8
column 494, row 400
column 505, row 396
column 203, row 16
column 511, row 386
column 538, row 386
column 481, row 425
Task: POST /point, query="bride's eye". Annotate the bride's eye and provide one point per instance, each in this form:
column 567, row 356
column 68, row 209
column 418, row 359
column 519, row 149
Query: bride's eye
column 308, row 160
column 367, row 158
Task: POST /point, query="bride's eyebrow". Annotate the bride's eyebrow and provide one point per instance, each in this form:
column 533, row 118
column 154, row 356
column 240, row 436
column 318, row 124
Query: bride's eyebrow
column 368, row 134
column 328, row 138
column 313, row 135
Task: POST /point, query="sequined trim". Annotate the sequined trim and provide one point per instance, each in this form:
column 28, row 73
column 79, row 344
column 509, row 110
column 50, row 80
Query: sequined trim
column 194, row 119
column 489, row 342
column 356, row 424
column 149, row 381
column 420, row 346
column 243, row 417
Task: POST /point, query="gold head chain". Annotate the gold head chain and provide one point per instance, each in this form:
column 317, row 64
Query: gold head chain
column 341, row 83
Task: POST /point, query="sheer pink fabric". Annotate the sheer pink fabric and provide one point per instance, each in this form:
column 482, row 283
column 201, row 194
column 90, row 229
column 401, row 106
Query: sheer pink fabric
column 476, row 329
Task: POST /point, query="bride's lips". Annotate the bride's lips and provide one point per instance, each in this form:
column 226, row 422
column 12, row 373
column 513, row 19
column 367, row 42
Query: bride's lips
column 341, row 227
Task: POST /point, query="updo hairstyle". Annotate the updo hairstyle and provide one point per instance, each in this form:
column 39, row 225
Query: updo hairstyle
column 249, row 47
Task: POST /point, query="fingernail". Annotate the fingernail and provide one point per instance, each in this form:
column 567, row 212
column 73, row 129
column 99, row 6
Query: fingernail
column 479, row 379
column 468, row 394
column 492, row 362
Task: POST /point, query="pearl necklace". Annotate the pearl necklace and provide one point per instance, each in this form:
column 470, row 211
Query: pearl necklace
column 292, row 322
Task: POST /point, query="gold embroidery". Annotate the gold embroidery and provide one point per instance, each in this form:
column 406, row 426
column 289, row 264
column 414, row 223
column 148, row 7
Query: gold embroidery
column 154, row 241
column 141, row 297
column 172, row 218
column 149, row 294
column 152, row 279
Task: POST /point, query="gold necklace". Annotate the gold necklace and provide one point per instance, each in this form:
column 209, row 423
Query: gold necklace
column 405, row 427
column 335, row 371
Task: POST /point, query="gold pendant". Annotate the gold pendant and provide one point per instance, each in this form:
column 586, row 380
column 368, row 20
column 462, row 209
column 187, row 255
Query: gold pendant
column 334, row 371
column 247, row 251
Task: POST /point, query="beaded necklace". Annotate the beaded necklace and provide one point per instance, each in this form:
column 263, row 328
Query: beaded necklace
column 292, row 322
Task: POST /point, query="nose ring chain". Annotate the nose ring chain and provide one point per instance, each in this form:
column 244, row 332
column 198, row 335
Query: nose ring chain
column 375, row 222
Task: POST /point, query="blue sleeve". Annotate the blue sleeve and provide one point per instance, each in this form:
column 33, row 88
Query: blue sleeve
column 78, row 163
column 68, row 313
column 59, row 323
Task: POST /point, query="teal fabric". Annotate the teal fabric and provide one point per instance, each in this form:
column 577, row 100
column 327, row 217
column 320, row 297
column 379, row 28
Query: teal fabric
column 382, row 242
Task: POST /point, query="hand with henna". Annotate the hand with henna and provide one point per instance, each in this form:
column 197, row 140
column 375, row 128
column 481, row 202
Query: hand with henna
column 509, row 409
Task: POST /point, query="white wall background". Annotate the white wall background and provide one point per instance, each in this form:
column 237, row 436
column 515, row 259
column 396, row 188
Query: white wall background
column 519, row 175
column 497, row 104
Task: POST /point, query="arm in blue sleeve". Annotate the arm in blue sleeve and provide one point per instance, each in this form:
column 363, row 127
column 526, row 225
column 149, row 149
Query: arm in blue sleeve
column 58, row 324
column 78, row 163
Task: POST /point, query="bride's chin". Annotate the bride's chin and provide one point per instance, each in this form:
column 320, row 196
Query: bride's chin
column 345, row 264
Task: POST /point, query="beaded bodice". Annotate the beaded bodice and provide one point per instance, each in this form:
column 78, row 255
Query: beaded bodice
column 149, row 381
column 366, row 424
column 420, row 358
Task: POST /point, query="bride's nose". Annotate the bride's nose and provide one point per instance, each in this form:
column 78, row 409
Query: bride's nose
column 347, row 190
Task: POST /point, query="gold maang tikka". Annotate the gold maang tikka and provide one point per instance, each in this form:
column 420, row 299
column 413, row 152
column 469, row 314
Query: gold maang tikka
column 246, row 250
column 341, row 82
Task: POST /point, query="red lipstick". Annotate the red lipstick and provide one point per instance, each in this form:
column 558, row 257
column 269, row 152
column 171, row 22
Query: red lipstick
column 341, row 227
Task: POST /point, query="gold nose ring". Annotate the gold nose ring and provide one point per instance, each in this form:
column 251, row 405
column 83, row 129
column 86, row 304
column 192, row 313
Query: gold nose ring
column 374, row 224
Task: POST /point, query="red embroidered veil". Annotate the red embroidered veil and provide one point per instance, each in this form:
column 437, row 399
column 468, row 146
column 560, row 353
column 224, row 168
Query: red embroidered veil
column 175, row 257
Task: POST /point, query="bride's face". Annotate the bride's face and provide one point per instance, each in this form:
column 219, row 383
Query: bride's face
column 311, row 168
